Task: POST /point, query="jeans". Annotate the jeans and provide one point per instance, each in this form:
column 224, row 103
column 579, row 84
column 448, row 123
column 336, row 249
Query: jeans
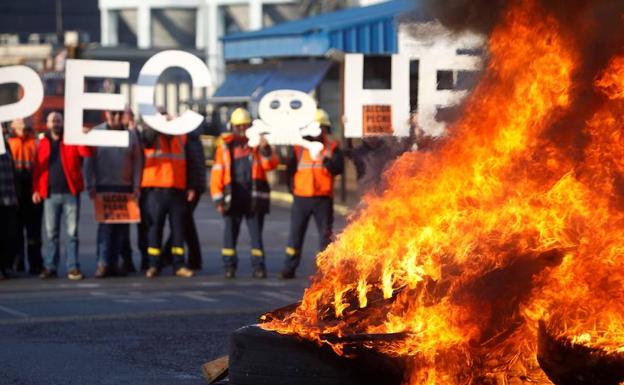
column 55, row 207
column 322, row 209
column 110, row 240
column 255, row 224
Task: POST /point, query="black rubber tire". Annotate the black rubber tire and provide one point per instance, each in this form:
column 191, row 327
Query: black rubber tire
column 260, row 357
column 567, row 364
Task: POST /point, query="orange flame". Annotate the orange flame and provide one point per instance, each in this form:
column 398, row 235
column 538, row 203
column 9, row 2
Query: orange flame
column 472, row 245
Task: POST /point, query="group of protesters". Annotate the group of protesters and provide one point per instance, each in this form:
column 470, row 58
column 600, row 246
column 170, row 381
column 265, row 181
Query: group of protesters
column 42, row 177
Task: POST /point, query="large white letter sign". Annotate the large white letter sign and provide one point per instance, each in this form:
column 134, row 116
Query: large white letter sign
column 148, row 77
column 379, row 106
column 76, row 101
column 32, row 89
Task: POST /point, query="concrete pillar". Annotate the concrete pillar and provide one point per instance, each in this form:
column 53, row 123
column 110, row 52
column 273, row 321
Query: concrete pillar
column 255, row 14
column 200, row 26
column 109, row 28
column 214, row 48
column 144, row 26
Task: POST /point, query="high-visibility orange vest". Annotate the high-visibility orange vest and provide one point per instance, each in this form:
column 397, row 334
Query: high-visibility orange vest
column 165, row 163
column 24, row 150
column 221, row 176
column 312, row 179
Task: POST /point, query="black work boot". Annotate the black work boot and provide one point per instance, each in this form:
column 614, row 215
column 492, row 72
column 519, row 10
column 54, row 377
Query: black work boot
column 287, row 273
column 229, row 272
column 260, row 273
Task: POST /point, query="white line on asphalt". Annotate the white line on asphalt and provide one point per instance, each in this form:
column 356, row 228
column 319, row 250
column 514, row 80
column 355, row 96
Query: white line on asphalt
column 280, row 296
column 198, row 296
column 131, row 297
column 210, row 284
column 134, row 315
column 12, row 312
column 245, row 295
column 80, row 285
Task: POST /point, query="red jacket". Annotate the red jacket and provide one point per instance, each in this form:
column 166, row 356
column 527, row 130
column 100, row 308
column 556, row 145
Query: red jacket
column 71, row 159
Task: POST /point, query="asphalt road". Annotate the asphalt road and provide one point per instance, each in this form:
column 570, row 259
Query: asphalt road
column 137, row 331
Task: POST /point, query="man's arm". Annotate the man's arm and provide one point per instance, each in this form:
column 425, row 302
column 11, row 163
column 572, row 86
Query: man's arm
column 137, row 162
column 196, row 163
column 291, row 168
column 89, row 175
column 335, row 163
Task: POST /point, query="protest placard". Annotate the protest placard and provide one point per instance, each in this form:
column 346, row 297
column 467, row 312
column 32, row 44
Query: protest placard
column 116, row 208
column 377, row 120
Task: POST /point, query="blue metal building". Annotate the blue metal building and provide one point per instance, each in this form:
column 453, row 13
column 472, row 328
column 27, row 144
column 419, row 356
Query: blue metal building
column 367, row 30
column 297, row 51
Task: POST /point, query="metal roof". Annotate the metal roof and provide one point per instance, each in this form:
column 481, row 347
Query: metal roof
column 254, row 82
column 369, row 30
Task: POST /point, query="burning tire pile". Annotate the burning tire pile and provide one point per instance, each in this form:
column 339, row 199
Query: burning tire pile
column 498, row 258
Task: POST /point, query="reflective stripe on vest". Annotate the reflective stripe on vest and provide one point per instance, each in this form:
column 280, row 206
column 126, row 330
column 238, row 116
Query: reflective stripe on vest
column 257, row 174
column 23, row 164
column 159, row 154
column 312, row 178
column 23, row 151
column 165, row 164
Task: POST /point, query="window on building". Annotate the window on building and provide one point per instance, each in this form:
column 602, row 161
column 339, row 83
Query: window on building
column 414, row 82
column 173, row 28
column 466, row 80
column 127, row 27
column 377, row 72
column 445, row 80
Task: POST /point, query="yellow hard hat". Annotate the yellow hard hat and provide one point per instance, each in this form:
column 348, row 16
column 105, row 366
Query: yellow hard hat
column 322, row 117
column 240, row 116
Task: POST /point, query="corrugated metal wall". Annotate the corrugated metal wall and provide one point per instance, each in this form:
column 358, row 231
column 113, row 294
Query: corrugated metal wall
column 379, row 37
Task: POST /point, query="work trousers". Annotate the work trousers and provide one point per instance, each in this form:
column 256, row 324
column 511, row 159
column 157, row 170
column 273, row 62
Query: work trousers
column 303, row 208
column 29, row 216
column 163, row 204
column 110, row 242
column 142, row 231
column 191, row 238
column 8, row 225
column 255, row 224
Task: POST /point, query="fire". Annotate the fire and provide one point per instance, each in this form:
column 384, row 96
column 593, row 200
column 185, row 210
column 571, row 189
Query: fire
column 505, row 225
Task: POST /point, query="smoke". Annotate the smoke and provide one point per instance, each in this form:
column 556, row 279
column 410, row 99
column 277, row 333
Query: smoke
column 595, row 27
column 461, row 15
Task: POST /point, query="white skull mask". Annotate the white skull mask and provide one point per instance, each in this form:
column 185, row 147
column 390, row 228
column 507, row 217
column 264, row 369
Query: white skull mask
column 286, row 117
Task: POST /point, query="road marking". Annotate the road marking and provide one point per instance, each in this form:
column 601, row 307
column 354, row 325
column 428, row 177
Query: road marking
column 80, row 285
column 246, row 295
column 12, row 312
column 198, row 296
column 134, row 315
column 210, row 284
column 279, row 296
column 131, row 297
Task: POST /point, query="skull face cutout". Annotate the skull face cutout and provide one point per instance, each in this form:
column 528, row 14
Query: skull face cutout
column 286, row 110
column 286, row 117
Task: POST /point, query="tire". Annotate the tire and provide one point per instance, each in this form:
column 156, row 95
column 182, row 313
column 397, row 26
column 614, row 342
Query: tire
column 567, row 364
column 260, row 357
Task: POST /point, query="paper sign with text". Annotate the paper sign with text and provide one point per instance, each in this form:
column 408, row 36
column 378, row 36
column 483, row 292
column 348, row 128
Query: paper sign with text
column 377, row 120
column 115, row 208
